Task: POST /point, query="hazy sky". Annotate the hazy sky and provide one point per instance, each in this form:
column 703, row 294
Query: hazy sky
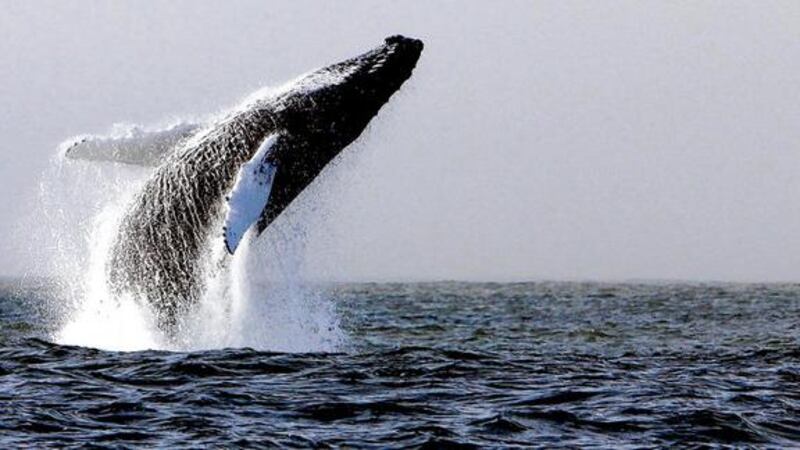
column 536, row 140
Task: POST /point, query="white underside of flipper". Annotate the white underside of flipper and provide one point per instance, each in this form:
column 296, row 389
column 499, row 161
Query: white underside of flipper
column 134, row 145
column 250, row 194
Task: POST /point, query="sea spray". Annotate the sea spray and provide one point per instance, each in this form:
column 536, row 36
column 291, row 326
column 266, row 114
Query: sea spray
column 98, row 317
column 80, row 206
column 261, row 300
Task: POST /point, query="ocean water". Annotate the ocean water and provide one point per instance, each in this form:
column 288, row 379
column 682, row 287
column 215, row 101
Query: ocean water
column 434, row 365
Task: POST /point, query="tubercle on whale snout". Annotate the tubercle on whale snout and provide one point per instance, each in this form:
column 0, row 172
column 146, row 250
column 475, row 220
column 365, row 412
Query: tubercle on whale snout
column 400, row 39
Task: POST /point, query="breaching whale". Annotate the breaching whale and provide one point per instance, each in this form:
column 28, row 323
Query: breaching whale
column 237, row 173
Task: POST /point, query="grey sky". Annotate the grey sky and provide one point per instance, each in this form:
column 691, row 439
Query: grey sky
column 600, row 140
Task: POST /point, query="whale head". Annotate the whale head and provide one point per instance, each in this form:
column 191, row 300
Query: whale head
column 324, row 111
column 335, row 103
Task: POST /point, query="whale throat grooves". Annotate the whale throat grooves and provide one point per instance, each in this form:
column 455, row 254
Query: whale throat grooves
column 158, row 254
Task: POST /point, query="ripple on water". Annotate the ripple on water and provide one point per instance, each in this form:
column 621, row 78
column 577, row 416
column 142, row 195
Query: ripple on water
column 504, row 366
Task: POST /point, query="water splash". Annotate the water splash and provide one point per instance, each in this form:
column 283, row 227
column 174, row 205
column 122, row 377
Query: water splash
column 260, row 298
column 261, row 301
column 97, row 318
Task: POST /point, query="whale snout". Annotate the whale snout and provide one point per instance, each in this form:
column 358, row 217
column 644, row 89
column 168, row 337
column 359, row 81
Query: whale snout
column 406, row 45
column 393, row 60
column 404, row 41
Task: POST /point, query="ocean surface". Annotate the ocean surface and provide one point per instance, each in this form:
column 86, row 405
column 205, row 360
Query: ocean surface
column 438, row 365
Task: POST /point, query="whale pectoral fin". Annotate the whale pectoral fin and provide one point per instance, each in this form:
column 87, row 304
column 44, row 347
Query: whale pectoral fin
column 137, row 146
column 250, row 193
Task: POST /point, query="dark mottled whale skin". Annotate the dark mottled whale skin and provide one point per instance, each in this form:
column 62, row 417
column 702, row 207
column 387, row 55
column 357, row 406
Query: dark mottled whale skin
column 162, row 247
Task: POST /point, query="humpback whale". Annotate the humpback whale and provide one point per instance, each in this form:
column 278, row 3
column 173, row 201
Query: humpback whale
column 236, row 174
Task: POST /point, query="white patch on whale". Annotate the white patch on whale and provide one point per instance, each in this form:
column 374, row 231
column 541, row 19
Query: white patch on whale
column 250, row 194
column 130, row 144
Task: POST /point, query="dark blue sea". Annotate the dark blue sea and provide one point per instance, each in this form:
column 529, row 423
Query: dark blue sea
column 434, row 365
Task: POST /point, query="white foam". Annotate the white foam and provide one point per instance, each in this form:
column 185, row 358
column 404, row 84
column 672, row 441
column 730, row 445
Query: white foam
column 261, row 301
column 99, row 319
